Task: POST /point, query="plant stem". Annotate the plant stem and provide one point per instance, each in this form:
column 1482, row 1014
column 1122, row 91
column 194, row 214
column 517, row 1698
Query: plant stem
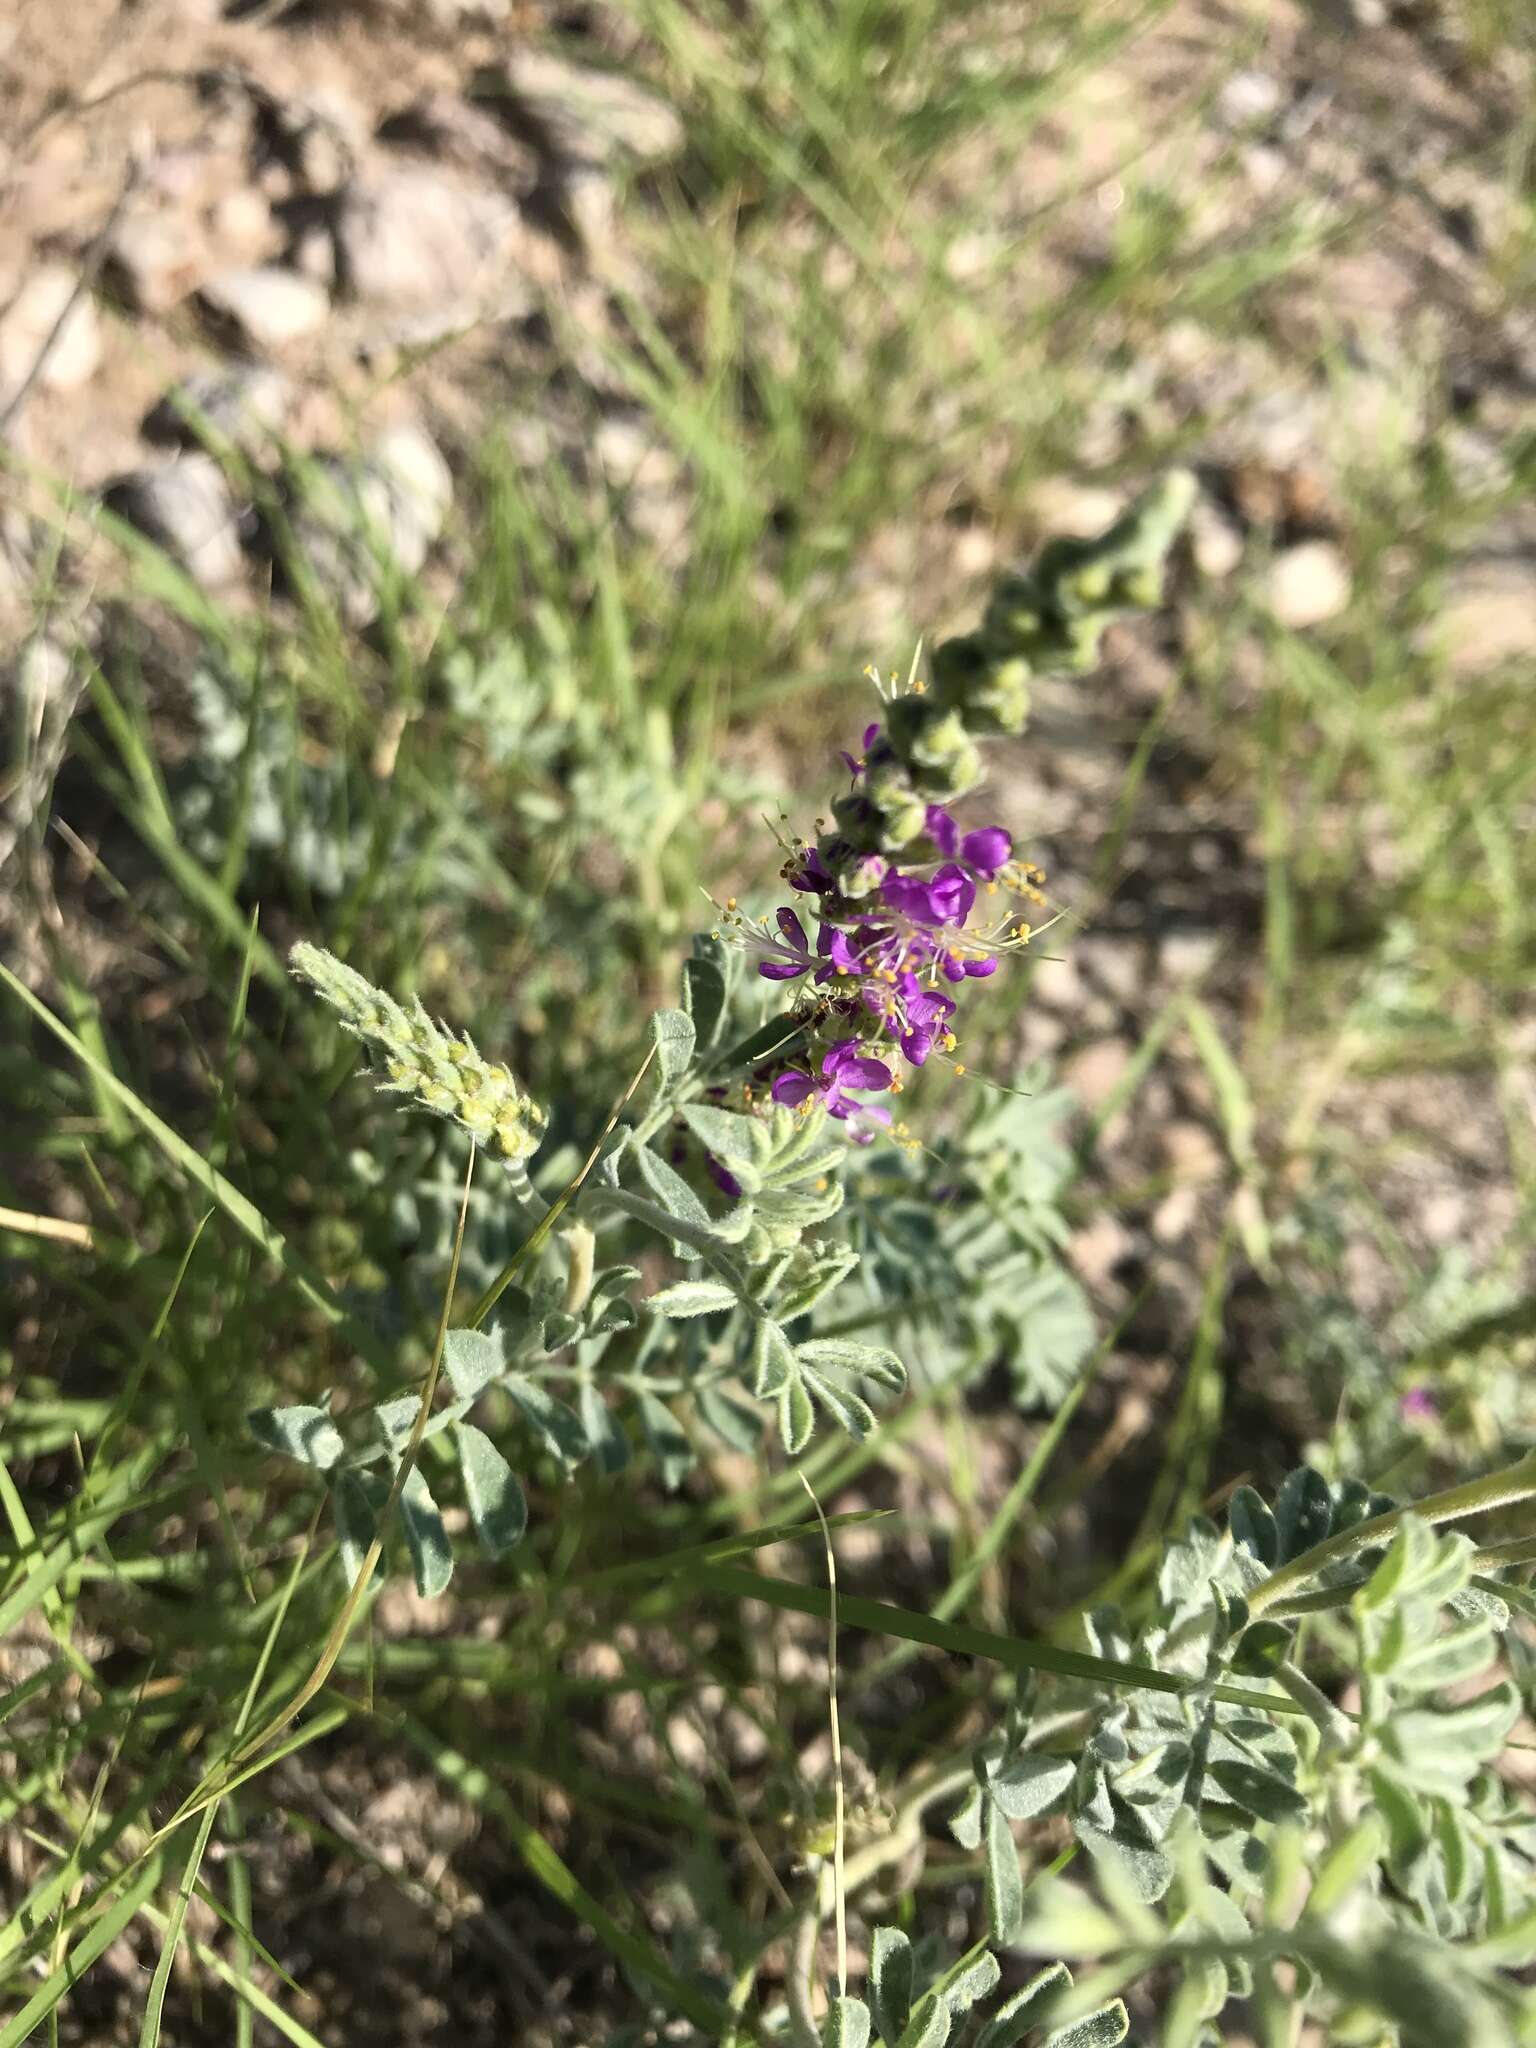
column 1499, row 1489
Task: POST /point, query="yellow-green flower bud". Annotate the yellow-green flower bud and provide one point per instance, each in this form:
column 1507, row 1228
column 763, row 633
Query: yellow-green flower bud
column 421, row 1060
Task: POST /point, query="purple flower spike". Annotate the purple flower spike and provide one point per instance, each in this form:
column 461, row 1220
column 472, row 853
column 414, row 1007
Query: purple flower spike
column 844, row 1067
column 947, row 899
column 812, row 875
column 987, row 851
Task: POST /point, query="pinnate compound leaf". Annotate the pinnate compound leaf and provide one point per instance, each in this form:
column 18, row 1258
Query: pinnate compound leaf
column 965, row 1821
column 846, row 2024
column 691, row 1298
column 491, row 1491
column 1005, row 1879
column 861, row 1361
column 929, row 2025
column 890, row 1982
column 672, row 1033
column 1106, row 2028
column 471, row 1359
column 425, row 1536
column 797, row 1418
column 307, row 1434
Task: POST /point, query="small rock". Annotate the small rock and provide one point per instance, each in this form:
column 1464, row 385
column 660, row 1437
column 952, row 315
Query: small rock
column 1175, row 1215
column 1076, row 511
column 1249, row 97
column 265, row 307
column 29, row 321
column 1488, row 616
column 1099, row 1248
column 584, row 116
column 1307, row 584
column 420, row 241
column 1192, row 1153
column 359, row 521
column 187, row 508
column 1214, row 541
column 244, row 405
column 152, row 262
column 1113, row 965
column 242, row 221
column 1094, row 1073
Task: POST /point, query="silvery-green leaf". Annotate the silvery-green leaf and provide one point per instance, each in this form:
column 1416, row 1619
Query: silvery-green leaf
column 1016, row 2015
column 1406, row 1817
column 691, row 1298
column 669, row 1443
column 1254, row 1526
column 1259, row 1792
column 672, row 1033
column 724, row 1133
column 471, row 1359
column 890, row 1982
column 1029, row 1785
column 929, row 2025
column 1106, row 2028
column 491, row 1491
column 846, row 2024
column 1303, row 1512
column 963, row 1991
column 704, row 995
column 735, row 1424
column 307, row 1434
column 1005, row 1879
column 1146, row 1871
column 965, row 1821
column 607, row 1445
column 556, row 1425
column 425, row 1536
column 672, row 1192
column 396, row 1418
column 359, row 1498
column 862, row 1361
column 773, row 1359
column 845, row 1409
column 797, row 1418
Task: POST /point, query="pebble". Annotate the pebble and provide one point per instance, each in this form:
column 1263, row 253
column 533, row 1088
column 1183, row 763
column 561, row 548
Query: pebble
column 1215, row 541
column 418, row 240
column 1249, row 97
column 186, row 507
column 1308, row 584
column 30, row 319
column 152, row 262
column 1077, row 511
column 265, row 307
column 355, row 520
column 1094, row 1073
column 586, row 116
column 245, row 405
column 1488, row 616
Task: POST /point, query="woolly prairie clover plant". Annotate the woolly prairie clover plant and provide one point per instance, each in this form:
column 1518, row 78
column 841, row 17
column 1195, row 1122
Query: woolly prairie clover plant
column 893, row 887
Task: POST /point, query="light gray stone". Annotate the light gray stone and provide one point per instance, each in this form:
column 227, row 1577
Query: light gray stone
column 422, row 243
column 588, row 116
column 357, row 522
column 244, row 405
column 187, row 507
column 1307, row 585
column 265, row 307
column 28, row 322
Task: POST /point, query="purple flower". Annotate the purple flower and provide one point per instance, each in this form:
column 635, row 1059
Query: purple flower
column 1418, row 1405
column 722, row 1176
column 947, row 899
column 957, row 967
column 844, row 1067
column 856, row 763
column 983, row 854
column 926, row 1014
column 793, row 954
column 812, row 875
